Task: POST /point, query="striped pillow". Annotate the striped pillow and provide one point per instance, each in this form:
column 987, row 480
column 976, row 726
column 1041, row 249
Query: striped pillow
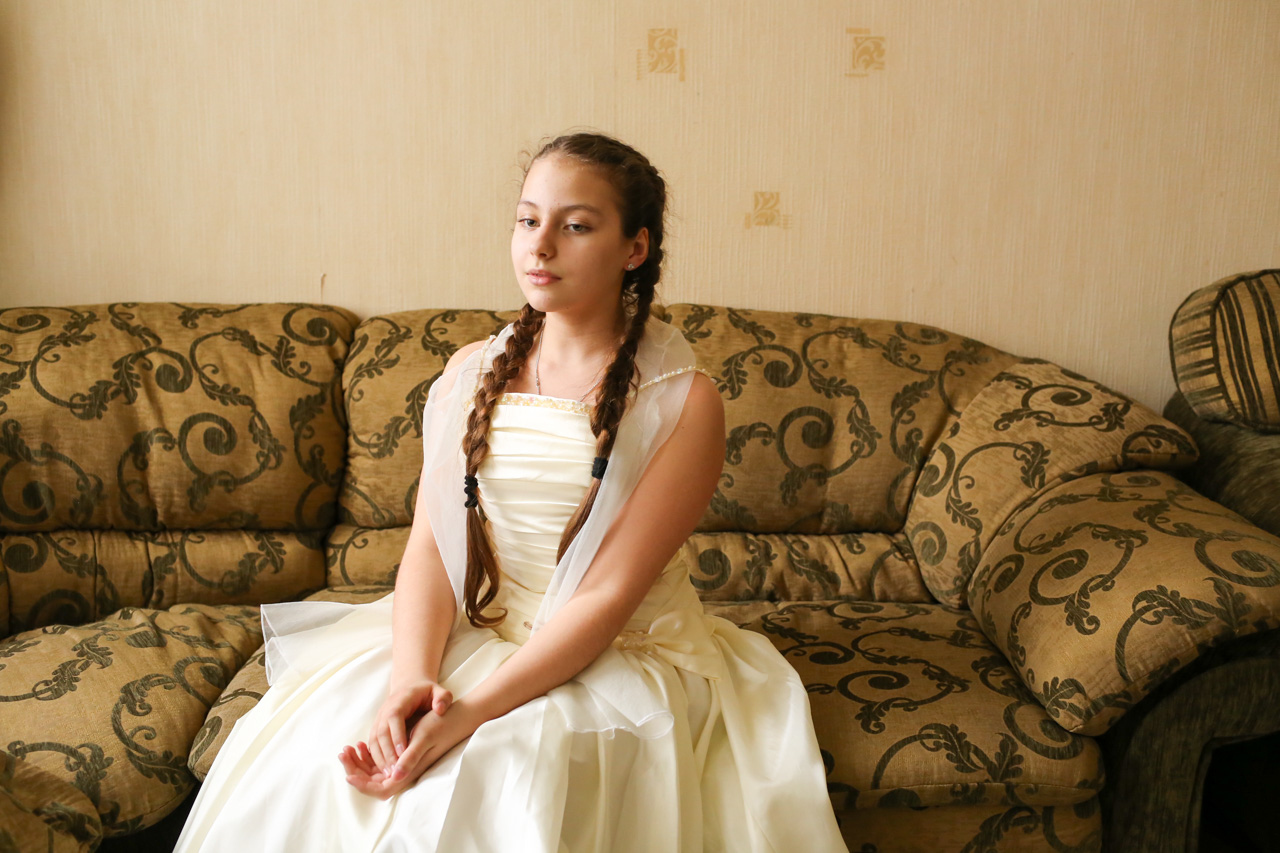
column 1224, row 343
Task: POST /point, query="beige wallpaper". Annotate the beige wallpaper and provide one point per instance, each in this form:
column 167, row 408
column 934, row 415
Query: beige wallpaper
column 1049, row 177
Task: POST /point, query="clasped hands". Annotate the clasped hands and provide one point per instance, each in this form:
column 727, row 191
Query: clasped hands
column 410, row 733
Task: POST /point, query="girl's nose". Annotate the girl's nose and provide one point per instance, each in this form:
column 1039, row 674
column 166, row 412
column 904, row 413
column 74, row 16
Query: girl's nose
column 542, row 245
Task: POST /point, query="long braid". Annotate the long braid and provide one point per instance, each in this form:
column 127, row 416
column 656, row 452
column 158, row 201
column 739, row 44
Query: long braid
column 482, row 566
column 614, row 395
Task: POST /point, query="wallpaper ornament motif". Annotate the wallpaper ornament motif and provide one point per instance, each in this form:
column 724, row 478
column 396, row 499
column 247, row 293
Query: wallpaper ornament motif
column 662, row 56
column 765, row 212
column 867, row 54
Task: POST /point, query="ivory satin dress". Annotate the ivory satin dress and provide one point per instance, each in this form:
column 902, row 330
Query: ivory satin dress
column 735, row 765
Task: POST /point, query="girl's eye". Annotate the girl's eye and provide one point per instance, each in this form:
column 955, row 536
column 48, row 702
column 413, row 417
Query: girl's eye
column 523, row 221
column 584, row 228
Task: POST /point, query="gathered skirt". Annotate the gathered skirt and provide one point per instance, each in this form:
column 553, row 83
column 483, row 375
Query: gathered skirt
column 733, row 766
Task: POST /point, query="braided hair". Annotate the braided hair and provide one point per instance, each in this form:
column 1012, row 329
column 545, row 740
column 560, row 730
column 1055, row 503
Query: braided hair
column 642, row 200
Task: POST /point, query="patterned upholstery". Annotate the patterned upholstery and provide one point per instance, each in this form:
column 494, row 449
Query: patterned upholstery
column 394, row 360
column 113, row 706
column 829, row 420
column 73, row 576
column 155, row 460
column 1034, row 425
column 158, row 453
column 1224, row 343
column 39, row 811
column 976, row 829
column 914, row 707
column 1077, row 590
column 881, row 479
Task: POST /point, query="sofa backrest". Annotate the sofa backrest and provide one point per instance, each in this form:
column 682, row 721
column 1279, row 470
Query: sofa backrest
column 393, row 362
column 153, row 454
column 829, row 421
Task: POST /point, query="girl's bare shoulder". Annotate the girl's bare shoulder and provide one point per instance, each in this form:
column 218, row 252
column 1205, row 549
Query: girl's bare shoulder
column 461, row 355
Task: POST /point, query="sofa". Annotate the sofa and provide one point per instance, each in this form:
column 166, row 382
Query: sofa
column 982, row 565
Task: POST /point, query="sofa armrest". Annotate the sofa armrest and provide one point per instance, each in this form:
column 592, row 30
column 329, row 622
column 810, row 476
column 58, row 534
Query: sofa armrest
column 1105, row 585
column 1033, row 426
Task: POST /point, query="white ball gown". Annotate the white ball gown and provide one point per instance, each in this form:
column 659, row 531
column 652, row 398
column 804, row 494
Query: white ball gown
column 732, row 764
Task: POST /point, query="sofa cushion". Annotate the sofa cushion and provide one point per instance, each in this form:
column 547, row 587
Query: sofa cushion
column 736, row 566
column 394, row 359
column 1105, row 586
column 1034, row 425
column 243, row 692
column 111, row 707
column 976, row 829
column 1224, row 342
column 76, row 576
column 150, row 416
column 364, row 556
column 913, row 706
column 828, row 419
column 39, row 811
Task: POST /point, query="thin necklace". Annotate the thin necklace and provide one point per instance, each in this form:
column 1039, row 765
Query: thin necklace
column 537, row 378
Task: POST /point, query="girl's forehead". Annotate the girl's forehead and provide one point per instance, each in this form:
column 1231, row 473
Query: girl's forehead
column 557, row 181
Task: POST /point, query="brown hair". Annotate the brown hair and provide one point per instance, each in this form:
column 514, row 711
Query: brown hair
column 642, row 200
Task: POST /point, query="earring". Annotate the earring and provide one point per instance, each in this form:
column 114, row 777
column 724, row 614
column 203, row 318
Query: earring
column 631, row 266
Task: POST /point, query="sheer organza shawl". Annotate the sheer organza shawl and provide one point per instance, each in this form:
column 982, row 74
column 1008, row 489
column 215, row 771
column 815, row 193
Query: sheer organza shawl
column 298, row 633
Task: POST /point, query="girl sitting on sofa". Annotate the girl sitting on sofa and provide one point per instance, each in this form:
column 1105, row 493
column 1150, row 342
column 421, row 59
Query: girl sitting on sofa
column 541, row 678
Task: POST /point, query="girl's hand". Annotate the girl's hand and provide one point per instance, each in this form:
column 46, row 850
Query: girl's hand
column 432, row 736
column 399, row 712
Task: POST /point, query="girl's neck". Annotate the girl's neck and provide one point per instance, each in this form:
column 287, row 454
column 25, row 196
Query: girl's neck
column 571, row 341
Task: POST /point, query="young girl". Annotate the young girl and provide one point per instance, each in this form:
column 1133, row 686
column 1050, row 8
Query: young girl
column 537, row 681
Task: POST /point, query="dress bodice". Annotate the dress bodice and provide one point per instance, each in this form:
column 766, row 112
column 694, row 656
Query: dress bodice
column 534, row 477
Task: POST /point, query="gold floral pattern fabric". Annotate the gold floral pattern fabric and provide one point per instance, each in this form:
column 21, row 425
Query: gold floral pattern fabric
column 828, row 419
column 39, row 811
column 111, row 707
column 976, row 829
column 163, row 416
column 244, row 691
column 157, row 453
column 364, row 556
column 1033, row 425
column 737, row 566
column 74, row 576
column 1105, row 586
column 913, row 706
column 394, row 360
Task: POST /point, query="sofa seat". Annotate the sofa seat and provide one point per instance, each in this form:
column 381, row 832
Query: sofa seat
column 892, row 686
column 111, row 708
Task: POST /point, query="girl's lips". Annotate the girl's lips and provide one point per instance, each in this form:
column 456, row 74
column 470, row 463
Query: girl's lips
column 542, row 277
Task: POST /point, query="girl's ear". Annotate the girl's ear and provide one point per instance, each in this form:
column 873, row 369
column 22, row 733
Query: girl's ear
column 639, row 247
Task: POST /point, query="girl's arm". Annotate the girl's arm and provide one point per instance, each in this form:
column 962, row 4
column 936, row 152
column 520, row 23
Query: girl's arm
column 421, row 619
column 671, row 496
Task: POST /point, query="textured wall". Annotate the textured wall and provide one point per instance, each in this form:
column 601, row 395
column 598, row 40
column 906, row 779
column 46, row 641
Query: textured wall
column 1049, row 177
